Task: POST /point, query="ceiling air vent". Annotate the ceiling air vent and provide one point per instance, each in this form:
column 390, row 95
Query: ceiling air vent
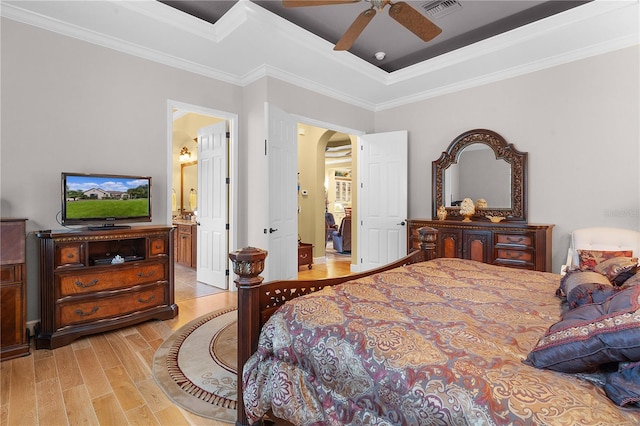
column 439, row 8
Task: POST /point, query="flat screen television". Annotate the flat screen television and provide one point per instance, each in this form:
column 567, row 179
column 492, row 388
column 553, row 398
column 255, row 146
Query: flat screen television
column 105, row 201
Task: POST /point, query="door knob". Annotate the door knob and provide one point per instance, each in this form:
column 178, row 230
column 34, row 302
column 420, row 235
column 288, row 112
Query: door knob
column 401, row 223
column 271, row 230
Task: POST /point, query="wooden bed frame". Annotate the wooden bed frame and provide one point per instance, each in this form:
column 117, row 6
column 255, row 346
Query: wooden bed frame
column 258, row 300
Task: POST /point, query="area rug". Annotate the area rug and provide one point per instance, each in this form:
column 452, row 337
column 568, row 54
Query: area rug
column 196, row 366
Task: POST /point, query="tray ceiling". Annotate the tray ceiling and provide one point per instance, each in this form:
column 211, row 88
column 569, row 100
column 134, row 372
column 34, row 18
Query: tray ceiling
column 245, row 42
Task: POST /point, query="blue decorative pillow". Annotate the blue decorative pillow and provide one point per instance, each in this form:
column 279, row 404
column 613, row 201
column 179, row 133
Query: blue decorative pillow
column 584, row 294
column 592, row 335
column 575, row 277
column 623, row 387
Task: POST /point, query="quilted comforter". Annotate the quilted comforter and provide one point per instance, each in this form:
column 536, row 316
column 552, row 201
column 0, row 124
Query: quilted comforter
column 438, row 343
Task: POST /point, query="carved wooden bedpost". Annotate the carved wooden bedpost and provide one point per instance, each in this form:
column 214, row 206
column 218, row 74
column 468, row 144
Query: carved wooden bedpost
column 428, row 237
column 248, row 264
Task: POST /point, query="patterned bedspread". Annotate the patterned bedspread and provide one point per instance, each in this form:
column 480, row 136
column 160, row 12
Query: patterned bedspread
column 437, row 343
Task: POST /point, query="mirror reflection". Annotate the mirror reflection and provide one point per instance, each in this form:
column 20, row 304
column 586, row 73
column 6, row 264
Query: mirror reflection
column 480, row 164
column 188, row 186
column 478, row 174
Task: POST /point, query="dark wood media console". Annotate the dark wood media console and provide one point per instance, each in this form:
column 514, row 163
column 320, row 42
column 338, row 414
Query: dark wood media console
column 82, row 292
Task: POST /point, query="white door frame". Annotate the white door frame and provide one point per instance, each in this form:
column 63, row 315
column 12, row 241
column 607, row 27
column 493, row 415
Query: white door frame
column 233, row 166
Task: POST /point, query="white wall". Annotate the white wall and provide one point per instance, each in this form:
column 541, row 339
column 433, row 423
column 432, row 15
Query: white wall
column 579, row 123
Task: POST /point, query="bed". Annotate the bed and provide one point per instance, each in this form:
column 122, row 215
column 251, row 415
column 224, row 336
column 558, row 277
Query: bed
column 425, row 341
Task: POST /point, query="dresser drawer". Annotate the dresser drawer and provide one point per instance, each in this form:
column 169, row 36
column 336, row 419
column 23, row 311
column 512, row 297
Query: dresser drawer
column 514, row 255
column 185, row 229
column 158, row 247
column 10, row 273
column 524, row 259
column 109, row 278
column 112, row 306
column 523, row 240
column 70, row 255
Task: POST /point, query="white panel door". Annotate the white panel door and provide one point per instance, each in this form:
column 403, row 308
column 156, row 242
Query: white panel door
column 281, row 149
column 382, row 198
column 212, row 205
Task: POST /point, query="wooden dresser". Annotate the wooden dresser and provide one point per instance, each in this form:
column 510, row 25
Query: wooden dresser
column 82, row 292
column 516, row 245
column 14, row 341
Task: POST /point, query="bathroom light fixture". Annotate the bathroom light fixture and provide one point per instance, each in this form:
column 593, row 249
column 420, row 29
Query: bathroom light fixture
column 185, row 155
column 380, row 55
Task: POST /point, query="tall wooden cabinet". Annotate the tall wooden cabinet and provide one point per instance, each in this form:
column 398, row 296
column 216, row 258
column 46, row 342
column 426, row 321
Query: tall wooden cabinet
column 14, row 341
column 516, row 245
column 84, row 291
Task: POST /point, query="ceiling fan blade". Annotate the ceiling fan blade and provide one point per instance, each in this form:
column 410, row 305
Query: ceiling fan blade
column 302, row 3
column 414, row 21
column 355, row 29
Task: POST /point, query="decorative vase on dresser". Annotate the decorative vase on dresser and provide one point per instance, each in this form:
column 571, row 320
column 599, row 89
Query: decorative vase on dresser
column 14, row 338
column 97, row 281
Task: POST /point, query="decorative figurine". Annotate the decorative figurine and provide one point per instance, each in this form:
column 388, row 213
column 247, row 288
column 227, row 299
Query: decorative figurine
column 467, row 209
column 442, row 213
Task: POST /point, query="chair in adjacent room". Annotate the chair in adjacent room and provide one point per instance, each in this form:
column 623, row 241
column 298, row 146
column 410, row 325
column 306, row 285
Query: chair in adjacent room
column 342, row 237
column 330, row 226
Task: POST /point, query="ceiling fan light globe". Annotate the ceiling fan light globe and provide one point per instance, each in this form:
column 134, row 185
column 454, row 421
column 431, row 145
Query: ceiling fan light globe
column 379, row 4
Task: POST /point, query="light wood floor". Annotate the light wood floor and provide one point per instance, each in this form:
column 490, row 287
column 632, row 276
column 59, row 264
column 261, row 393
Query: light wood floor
column 106, row 379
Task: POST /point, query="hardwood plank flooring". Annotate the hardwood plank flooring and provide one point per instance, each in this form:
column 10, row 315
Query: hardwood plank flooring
column 106, row 379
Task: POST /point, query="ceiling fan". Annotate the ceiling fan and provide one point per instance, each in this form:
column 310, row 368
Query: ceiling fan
column 404, row 14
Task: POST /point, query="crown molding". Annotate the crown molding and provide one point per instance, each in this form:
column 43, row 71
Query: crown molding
column 11, row 11
column 594, row 28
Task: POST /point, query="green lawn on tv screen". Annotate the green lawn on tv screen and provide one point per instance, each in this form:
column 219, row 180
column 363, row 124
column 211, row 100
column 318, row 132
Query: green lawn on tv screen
column 83, row 209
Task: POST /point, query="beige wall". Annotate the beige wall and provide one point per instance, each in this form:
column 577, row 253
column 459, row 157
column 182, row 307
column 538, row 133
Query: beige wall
column 310, row 168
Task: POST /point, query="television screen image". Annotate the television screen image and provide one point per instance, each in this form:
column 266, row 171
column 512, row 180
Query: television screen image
column 105, row 199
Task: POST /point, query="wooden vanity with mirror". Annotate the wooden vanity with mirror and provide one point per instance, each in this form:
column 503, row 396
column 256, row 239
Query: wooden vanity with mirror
column 480, row 164
column 186, row 235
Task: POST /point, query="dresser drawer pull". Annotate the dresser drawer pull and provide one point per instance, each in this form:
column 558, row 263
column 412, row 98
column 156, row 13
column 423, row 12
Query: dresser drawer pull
column 515, row 240
column 86, row 314
column 83, row 285
column 141, row 300
column 303, row 256
column 143, row 275
column 71, row 256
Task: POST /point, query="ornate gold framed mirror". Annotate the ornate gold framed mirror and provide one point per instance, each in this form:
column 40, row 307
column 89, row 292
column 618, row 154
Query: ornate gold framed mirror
column 480, row 164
